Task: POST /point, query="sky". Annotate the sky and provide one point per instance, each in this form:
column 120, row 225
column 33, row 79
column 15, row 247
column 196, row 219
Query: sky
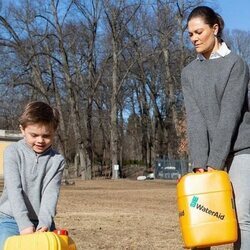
column 236, row 13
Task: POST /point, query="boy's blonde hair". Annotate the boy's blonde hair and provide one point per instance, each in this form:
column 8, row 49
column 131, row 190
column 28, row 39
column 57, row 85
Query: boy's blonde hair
column 39, row 112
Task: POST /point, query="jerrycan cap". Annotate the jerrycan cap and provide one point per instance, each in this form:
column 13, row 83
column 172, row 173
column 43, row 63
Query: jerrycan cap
column 61, row 231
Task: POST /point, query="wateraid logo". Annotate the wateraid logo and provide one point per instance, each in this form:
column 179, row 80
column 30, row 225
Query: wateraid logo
column 194, row 203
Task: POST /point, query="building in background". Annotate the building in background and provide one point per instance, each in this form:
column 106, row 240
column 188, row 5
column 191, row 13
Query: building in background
column 171, row 169
column 6, row 138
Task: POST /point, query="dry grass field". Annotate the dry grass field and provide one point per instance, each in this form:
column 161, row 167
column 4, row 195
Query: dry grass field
column 121, row 214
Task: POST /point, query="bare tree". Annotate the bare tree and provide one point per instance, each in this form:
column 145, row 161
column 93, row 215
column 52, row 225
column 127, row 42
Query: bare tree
column 112, row 68
column 118, row 17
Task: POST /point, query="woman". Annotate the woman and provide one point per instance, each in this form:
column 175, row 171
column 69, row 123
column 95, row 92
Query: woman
column 215, row 93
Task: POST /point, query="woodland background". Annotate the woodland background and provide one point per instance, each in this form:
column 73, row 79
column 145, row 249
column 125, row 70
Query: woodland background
column 112, row 67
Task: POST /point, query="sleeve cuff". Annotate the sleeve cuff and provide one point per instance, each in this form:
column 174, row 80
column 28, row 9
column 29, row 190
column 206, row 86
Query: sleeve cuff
column 44, row 222
column 23, row 222
column 216, row 163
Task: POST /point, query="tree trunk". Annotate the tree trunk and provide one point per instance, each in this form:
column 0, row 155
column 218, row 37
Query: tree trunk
column 76, row 123
column 113, row 113
column 171, row 111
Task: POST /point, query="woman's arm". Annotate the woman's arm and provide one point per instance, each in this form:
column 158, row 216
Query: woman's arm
column 197, row 129
column 232, row 103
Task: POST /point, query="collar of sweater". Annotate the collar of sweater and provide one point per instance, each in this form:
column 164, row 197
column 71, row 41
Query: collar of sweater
column 29, row 148
column 221, row 52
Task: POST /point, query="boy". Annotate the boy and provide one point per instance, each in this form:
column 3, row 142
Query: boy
column 32, row 175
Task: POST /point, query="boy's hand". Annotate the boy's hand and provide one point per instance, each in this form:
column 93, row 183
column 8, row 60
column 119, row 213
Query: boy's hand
column 42, row 229
column 28, row 230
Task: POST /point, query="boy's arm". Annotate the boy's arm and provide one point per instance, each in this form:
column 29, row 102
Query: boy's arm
column 12, row 181
column 50, row 194
column 28, row 230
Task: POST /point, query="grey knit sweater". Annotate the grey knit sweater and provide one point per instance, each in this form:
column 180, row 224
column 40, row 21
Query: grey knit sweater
column 31, row 184
column 215, row 95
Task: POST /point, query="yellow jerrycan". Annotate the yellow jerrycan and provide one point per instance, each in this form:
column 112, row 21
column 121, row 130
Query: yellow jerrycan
column 56, row 240
column 206, row 209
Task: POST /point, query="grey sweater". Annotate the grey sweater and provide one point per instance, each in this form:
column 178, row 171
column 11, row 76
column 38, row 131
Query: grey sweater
column 215, row 95
column 31, row 184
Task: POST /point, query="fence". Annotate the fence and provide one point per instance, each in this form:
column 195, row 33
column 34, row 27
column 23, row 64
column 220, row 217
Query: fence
column 170, row 169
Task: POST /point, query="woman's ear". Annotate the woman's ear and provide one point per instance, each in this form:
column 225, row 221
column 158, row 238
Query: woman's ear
column 216, row 29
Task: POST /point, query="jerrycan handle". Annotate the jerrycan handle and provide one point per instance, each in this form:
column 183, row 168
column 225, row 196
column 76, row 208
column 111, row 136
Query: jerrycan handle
column 61, row 232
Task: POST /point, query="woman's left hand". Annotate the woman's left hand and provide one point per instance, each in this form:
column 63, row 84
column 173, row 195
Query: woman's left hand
column 210, row 169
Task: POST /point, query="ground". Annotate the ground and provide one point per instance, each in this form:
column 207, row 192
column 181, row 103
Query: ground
column 121, row 214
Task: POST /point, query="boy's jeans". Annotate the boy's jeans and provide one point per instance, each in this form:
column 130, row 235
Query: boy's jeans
column 8, row 227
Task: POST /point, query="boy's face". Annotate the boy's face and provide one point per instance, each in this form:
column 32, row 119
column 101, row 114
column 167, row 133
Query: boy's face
column 38, row 136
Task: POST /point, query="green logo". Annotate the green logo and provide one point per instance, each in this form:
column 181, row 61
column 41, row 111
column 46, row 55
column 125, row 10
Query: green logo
column 194, row 201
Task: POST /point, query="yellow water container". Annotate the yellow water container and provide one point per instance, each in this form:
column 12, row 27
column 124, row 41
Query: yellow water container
column 57, row 240
column 206, row 209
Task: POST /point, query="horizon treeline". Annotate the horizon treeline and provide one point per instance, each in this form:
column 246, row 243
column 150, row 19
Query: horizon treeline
column 113, row 70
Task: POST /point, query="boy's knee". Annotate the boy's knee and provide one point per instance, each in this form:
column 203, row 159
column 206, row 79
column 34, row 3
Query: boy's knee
column 5, row 233
column 3, row 237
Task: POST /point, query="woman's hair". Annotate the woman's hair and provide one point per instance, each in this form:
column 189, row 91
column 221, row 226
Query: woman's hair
column 39, row 112
column 209, row 16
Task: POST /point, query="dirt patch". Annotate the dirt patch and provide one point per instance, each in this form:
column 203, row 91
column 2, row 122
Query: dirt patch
column 121, row 214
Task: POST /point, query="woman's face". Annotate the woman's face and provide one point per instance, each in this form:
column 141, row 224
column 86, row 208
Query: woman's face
column 203, row 36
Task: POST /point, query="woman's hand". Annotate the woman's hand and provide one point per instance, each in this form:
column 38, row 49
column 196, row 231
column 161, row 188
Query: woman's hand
column 210, row 169
column 202, row 170
column 28, row 230
column 199, row 170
